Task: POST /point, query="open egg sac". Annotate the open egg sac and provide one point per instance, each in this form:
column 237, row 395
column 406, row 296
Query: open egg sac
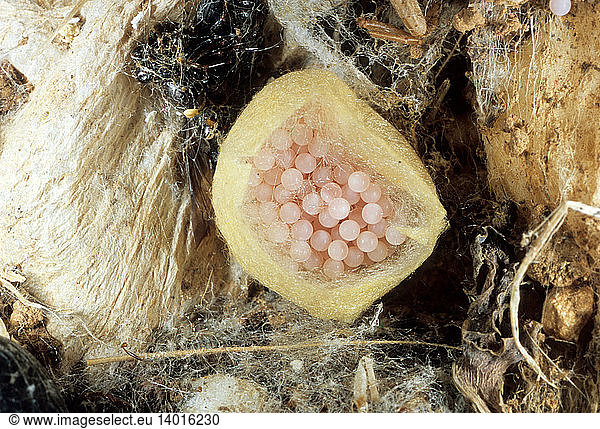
column 322, row 200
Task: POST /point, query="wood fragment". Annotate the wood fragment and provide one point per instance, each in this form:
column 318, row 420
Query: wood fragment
column 411, row 15
column 380, row 30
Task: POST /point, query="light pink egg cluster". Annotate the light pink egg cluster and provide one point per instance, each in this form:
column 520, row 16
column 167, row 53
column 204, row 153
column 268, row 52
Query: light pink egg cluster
column 328, row 214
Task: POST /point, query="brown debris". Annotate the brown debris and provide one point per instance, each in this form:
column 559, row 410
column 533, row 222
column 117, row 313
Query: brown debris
column 468, row 19
column 24, row 317
column 510, row 26
column 27, row 327
column 14, row 87
column 411, row 15
column 479, row 373
column 560, row 264
column 383, row 31
column 416, row 52
column 567, row 310
column 26, row 322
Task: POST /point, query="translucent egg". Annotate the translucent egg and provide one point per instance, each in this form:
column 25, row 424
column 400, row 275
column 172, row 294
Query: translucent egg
column 337, row 250
column 355, row 257
column 268, row 212
column 367, row 241
column 302, row 230
column 311, row 203
column 300, row 251
column 333, row 268
column 289, row 212
column 327, row 220
column 263, row 192
column 306, row 163
column 394, row 237
column 349, row 230
column 372, row 213
column 560, row 7
column 292, row 179
column 277, row 232
column 372, row 194
column 339, row 208
column 321, row 176
column 264, row 160
column 284, row 158
column 281, row 139
column 329, row 191
column 359, row 181
column 320, row 240
column 341, row 173
column 318, row 148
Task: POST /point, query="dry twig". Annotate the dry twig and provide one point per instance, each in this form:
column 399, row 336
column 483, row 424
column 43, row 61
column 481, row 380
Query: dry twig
column 538, row 238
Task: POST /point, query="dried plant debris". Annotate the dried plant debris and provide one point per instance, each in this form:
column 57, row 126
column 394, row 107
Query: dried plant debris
column 468, row 19
column 556, row 376
column 268, row 376
column 498, row 30
column 365, row 385
column 25, row 320
column 14, row 87
column 488, row 349
column 27, row 326
column 480, row 374
column 209, row 59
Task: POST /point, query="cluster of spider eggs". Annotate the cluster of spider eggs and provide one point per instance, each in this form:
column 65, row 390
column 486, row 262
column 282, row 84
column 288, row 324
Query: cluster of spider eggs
column 328, row 214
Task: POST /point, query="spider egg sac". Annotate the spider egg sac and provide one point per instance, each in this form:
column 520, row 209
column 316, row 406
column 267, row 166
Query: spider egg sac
column 322, row 200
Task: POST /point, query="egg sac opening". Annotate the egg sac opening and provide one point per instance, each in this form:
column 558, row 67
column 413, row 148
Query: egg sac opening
column 322, row 200
column 316, row 203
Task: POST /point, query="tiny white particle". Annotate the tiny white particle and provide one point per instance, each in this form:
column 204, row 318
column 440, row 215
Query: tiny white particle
column 297, row 365
column 31, row 390
column 150, row 116
column 136, row 20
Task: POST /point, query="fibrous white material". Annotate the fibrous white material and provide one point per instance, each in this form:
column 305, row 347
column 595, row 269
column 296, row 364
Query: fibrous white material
column 90, row 209
column 381, row 71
